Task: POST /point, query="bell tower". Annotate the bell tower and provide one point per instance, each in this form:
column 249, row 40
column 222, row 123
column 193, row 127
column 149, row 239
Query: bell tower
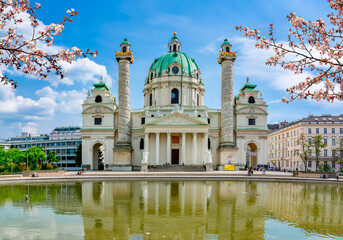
column 122, row 150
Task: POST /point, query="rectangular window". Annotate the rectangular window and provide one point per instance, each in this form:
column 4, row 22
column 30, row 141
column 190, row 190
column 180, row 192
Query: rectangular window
column 309, row 164
column 142, row 120
column 333, row 130
column 97, row 121
column 325, row 153
column 309, row 141
column 325, row 130
column 333, row 152
column 333, row 165
column 317, row 130
column 341, row 130
column 251, row 121
column 309, row 131
column 63, row 143
column 333, row 141
column 325, row 141
column 58, row 144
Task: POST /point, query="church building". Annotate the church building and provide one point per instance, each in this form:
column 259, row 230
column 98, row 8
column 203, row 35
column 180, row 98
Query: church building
column 174, row 126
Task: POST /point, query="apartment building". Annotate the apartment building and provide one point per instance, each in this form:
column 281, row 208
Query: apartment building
column 283, row 148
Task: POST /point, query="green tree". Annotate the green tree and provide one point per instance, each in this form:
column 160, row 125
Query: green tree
column 78, row 157
column 36, row 156
column 339, row 154
column 52, row 157
column 318, row 145
column 304, row 154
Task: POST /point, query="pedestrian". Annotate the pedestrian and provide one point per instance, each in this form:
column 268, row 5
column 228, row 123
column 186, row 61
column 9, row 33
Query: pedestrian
column 284, row 170
column 264, row 171
column 248, row 171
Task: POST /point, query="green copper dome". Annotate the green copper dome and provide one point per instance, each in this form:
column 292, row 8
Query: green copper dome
column 162, row 63
column 226, row 42
column 125, row 42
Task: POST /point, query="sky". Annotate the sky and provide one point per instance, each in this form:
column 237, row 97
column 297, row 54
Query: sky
column 38, row 106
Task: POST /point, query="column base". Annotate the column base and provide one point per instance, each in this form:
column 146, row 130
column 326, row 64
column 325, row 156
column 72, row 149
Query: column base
column 209, row 167
column 228, row 156
column 122, row 155
column 144, row 167
column 227, row 145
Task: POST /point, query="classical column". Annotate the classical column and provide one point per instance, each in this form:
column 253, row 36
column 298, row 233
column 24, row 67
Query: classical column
column 122, row 150
column 195, row 148
column 205, row 140
column 157, row 148
column 168, row 148
column 183, row 148
column 146, row 142
column 226, row 59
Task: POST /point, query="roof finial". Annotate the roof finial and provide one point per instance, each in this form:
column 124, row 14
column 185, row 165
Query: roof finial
column 174, row 33
column 248, row 80
column 101, row 79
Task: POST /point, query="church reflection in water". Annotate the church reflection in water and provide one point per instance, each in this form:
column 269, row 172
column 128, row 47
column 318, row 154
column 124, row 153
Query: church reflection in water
column 206, row 209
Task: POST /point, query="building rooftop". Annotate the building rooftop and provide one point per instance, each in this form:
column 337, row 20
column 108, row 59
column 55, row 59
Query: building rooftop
column 324, row 118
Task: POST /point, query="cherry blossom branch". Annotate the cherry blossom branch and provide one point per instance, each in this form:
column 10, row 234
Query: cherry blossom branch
column 319, row 48
column 22, row 53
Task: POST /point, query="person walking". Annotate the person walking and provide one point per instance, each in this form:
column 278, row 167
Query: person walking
column 248, row 171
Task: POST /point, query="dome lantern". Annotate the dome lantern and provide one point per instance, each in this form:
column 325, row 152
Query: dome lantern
column 174, row 44
column 226, row 46
column 125, row 46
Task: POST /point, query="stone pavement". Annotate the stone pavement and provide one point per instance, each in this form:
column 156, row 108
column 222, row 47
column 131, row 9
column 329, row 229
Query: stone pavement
column 216, row 175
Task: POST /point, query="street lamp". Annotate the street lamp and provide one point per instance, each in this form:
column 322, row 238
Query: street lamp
column 27, row 162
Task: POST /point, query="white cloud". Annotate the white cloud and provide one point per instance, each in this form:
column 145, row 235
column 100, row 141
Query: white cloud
column 81, row 70
column 274, row 101
column 212, row 47
column 30, row 127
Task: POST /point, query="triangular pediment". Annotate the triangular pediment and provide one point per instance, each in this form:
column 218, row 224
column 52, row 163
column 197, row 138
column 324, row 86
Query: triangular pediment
column 251, row 110
column 177, row 119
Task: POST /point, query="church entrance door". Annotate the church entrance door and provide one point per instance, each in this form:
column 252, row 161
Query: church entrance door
column 175, row 156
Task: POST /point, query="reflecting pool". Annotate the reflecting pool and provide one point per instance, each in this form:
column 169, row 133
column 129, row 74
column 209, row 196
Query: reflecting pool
column 171, row 210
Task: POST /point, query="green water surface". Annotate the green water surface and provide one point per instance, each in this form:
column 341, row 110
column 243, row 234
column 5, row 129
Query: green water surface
column 171, row 210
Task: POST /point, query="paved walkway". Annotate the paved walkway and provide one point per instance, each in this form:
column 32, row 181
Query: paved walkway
column 216, row 175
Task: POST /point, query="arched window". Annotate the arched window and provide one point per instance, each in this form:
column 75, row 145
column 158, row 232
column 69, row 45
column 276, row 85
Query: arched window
column 175, row 96
column 150, row 100
column 98, row 99
column 227, row 49
column 151, row 76
column 124, row 49
column 169, row 48
column 251, row 100
column 208, row 143
column 198, row 101
column 141, row 144
column 174, row 48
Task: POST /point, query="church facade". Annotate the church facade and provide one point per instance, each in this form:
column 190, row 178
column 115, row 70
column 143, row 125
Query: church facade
column 174, row 126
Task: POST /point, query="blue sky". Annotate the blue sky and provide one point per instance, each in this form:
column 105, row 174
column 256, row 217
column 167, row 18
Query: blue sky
column 40, row 105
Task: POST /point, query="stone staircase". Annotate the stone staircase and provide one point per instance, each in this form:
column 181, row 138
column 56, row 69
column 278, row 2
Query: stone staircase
column 177, row 168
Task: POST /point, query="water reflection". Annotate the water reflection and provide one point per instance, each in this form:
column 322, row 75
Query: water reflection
column 187, row 209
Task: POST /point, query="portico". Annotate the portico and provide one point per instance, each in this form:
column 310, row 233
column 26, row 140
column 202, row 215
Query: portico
column 176, row 142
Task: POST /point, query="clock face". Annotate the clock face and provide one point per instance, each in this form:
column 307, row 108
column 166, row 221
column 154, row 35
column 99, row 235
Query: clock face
column 175, row 70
